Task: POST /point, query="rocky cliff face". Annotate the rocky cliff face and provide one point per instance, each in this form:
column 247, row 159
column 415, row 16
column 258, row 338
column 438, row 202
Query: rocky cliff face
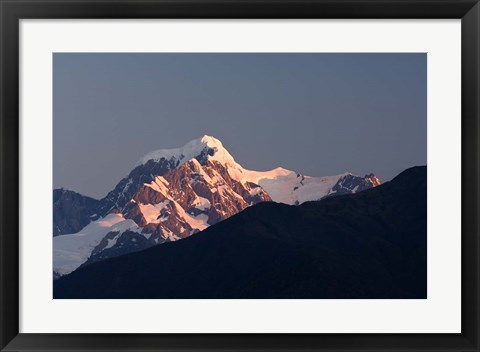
column 188, row 199
column 123, row 192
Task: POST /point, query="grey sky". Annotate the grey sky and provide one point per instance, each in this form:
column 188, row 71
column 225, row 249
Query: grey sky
column 318, row 114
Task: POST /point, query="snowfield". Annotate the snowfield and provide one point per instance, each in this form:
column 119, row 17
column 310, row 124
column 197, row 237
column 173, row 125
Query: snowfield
column 71, row 251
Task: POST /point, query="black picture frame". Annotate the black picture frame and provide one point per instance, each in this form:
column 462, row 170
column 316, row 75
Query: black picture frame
column 11, row 11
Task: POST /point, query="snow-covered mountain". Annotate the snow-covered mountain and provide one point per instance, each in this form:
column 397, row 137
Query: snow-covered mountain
column 289, row 187
column 172, row 194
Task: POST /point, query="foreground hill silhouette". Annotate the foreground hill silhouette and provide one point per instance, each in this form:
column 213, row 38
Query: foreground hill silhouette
column 372, row 244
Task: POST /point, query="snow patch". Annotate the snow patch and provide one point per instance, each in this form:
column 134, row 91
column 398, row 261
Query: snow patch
column 159, row 184
column 196, row 222
column 151, row 212
column 202, row 203
column 113, row 241
column 72, row 250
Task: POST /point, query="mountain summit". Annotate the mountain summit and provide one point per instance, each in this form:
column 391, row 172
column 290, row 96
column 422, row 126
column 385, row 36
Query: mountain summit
column 174, row 193
column 200, row 149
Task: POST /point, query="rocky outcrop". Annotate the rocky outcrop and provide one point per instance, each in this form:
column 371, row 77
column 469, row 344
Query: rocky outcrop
column 72, row 211
column 129, row 186
column 352, row 184
column 126, row 242
column 190, row 198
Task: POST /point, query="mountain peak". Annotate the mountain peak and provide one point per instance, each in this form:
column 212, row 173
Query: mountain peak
column 203, row 147
column 209, row 140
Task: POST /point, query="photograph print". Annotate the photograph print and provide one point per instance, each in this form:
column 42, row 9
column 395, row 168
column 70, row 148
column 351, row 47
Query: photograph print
column 239, row 176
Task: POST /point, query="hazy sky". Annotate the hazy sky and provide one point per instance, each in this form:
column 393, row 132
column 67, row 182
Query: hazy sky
column 318, row 114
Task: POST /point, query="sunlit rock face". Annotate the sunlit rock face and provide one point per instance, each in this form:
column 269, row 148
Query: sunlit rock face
column 129, row 186
column 189, row 198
